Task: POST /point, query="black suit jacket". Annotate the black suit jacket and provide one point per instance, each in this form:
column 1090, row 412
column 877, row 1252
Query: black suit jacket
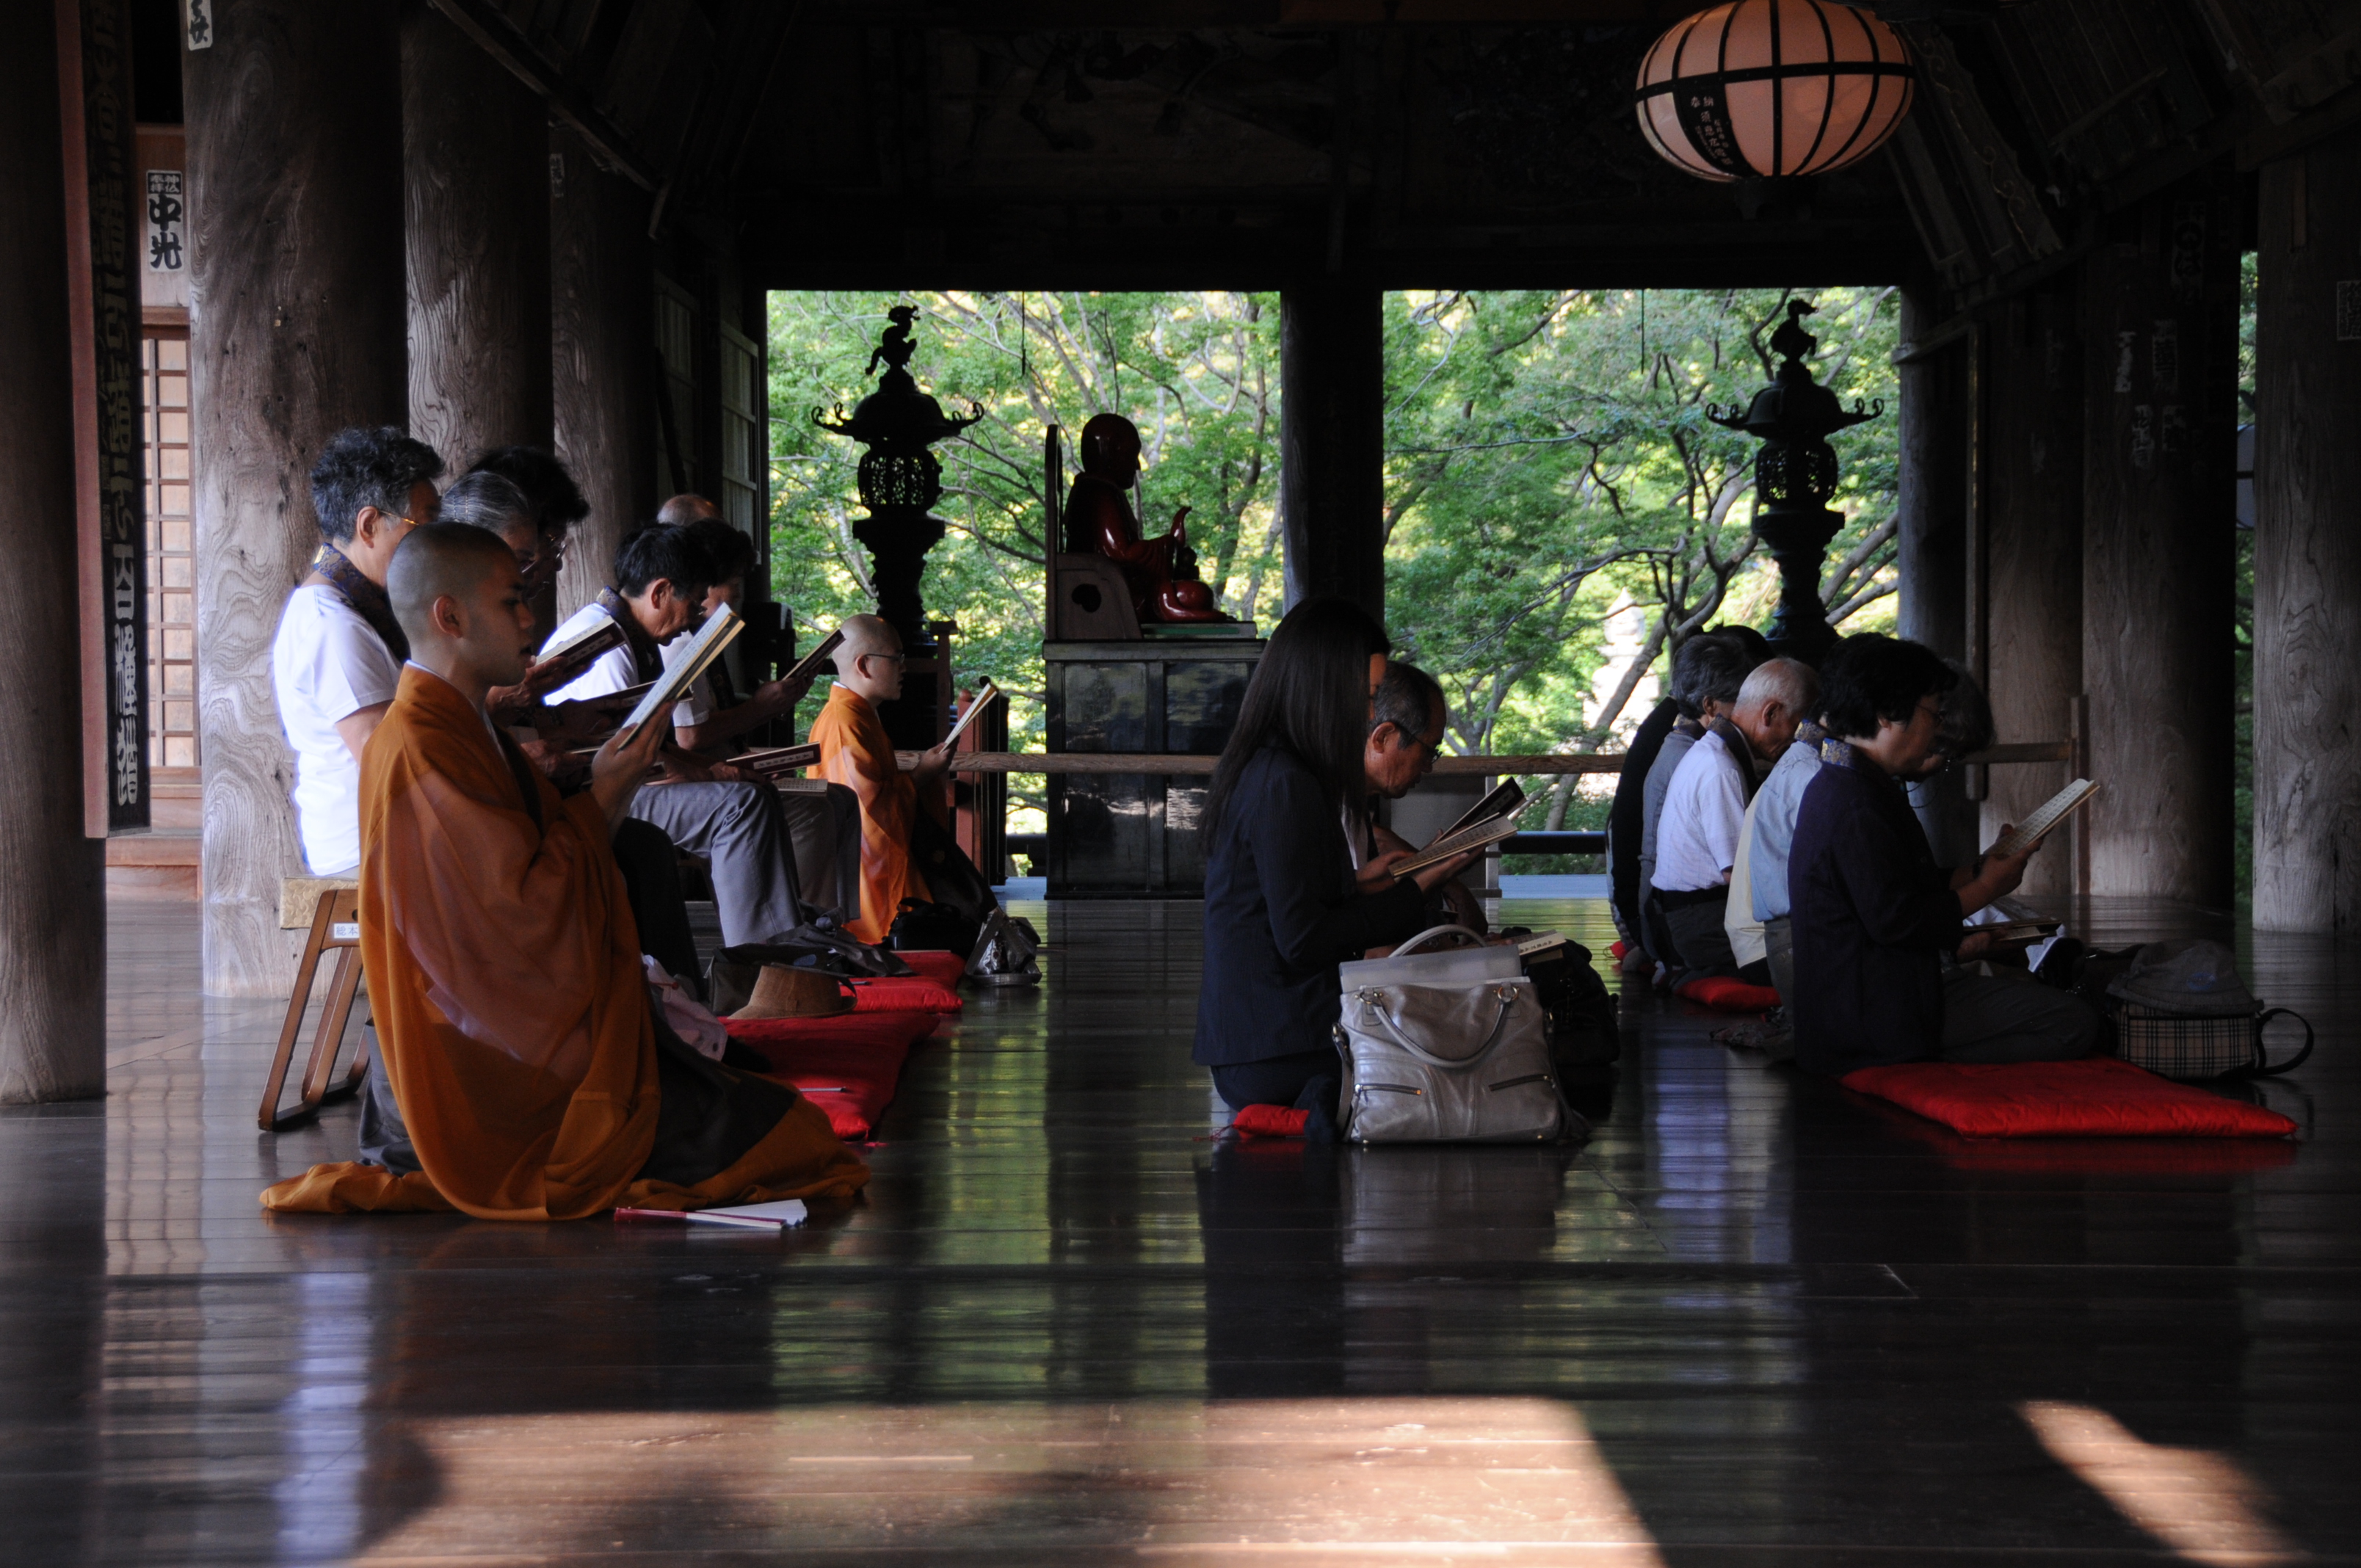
column 1282, row 914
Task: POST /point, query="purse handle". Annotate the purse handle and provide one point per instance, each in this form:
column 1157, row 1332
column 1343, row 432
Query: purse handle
column 2263, row 1068
column 1412, row 946
column 1444, row 1064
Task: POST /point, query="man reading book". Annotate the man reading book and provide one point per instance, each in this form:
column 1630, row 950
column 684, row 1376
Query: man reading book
column 533, row 1077
column 1407, row 716
column 1873, row 915
column 854, row 752
column 658, row 589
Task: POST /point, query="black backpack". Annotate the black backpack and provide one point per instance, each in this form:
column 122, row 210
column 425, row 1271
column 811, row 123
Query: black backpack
column 1585, row 1038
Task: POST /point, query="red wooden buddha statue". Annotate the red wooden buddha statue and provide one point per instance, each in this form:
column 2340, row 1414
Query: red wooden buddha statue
column 1161, row 572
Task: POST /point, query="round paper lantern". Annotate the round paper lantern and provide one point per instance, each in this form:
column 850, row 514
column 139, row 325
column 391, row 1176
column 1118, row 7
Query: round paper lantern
column 1774, row 88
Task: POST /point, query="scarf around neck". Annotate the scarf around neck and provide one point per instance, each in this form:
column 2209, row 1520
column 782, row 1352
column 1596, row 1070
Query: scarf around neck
column 331, row 566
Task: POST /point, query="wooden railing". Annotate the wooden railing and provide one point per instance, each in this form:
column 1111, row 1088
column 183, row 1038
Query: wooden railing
column 1176, row 765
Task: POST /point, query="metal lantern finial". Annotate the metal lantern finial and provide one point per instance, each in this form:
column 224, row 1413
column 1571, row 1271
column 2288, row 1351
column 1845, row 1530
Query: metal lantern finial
column 1773, row 88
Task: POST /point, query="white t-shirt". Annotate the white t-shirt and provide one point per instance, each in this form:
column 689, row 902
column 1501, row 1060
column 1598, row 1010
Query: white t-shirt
column 616, row 670
column 1696, row 840
column 326, row 664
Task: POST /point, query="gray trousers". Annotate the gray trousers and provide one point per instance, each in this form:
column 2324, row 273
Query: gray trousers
column 1700, row 943
column 2008, row 1017
column 738, row 829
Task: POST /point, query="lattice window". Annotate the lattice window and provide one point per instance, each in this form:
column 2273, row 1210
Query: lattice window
column 171, row 551
column 744, row 455
column 676, row 425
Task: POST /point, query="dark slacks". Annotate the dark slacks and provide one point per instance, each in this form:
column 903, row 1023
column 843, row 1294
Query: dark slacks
column 2008, row 1017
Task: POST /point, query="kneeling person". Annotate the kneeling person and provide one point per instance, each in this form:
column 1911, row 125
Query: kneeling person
column 511, row 1006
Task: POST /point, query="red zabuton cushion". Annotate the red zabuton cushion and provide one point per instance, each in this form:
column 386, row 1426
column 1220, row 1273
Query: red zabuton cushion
column 943, row 968
column 1269, row 1121
column 904, row 994
column 849, row 1065
column 2098, row 1097
column 1724, row 995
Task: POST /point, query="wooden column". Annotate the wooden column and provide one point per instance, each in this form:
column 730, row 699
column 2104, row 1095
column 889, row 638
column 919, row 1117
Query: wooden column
column 1931, row 536
column 296, row 329
column 2308, row 543
column 2161, row 312
column 1332, row 440
column 53, row 918
column 602, row 290
column 475, row 146
column 2032, row 455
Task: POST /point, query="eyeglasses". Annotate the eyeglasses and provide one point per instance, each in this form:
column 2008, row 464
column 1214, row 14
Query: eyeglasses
column 898, row 658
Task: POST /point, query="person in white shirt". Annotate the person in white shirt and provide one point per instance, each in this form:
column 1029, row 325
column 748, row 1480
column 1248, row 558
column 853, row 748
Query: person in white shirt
column 657, row 591
column 338, row 658
column 1705, row 810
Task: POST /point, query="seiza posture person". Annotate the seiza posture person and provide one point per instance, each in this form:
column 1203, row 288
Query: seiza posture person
column 855, row 751
column 337, row 657
column 513, row 1011
column 1407, row 716
column 649, row 865
column 660, row 579
column 1871, row 913
column 1707, row 674
column 1282, row 909
column 1705, row 808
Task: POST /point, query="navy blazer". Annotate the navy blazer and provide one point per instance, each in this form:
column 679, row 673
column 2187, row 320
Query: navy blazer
column 1872, row 914
column 1282, row 914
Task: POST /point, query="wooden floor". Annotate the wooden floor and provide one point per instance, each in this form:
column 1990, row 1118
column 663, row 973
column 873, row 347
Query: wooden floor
column 1754, row 1321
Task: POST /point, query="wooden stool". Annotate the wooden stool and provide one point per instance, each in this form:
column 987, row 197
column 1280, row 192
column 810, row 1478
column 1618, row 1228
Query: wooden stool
column 335, row 915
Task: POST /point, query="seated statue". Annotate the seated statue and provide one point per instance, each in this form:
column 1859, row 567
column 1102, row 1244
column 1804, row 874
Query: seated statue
column 1161, row 572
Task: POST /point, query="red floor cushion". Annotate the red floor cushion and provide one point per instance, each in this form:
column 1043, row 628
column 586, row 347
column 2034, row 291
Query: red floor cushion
column 1725, row 994
column 904, row 994
column 2098, row 1097
column 943, row 968
column 847, row 1065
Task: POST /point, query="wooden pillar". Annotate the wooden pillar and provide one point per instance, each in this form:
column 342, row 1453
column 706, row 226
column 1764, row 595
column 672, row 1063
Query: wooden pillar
column 53, row 918
column 1332, row 440
column 2032, row 631
column 1931, row 537
column 475, row 145
column 296, row 329
column 2308, row 543
column 602, row 290
column 2161, row 312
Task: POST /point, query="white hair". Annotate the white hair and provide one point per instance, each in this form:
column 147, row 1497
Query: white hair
column 1790, row 683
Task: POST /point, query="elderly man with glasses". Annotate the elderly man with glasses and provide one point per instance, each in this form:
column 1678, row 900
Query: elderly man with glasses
column 1407, row 715
column 1873, row 915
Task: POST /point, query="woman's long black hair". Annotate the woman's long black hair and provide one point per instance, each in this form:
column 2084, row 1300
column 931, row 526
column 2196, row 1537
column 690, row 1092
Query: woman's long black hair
column 1309, row 697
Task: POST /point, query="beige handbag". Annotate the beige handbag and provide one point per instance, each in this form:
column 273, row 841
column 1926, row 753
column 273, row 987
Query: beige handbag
column 1446, row 1047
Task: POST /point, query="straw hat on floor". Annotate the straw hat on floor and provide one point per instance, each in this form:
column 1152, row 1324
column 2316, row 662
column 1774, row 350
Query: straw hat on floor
column 782, row 991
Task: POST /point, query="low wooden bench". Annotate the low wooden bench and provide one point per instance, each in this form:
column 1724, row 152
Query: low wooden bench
column 330, row 907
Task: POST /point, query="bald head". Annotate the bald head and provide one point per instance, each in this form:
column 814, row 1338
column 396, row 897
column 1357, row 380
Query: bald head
column 1778, row 695
column 686, row 508
column 868, row 661
column 460, row 598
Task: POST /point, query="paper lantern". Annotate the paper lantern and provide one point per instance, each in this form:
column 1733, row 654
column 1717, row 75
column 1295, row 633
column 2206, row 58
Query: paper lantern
column 1774, row 88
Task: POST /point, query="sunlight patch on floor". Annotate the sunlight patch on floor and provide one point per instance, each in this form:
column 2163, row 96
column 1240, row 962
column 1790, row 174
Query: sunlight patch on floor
column 2200, row 1505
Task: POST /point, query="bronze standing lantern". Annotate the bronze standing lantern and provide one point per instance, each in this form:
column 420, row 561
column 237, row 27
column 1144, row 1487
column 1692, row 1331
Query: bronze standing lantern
column 899, row 480
column 1795, row 476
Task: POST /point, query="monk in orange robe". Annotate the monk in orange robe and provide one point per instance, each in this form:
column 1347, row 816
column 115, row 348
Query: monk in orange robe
column 854, row 752
column 513, row 1011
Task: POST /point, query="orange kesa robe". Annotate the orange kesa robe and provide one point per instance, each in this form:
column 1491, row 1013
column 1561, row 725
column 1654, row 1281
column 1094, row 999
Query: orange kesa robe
column 512, row 1008
column 854, row 752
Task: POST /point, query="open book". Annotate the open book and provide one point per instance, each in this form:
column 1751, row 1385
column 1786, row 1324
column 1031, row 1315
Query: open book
column 809, row 666
column 984, row 699
column 562, row 664
column 1506, row 798
column 1475, row 836
column 720, row 629
column 2046, row 816
column 778, row 761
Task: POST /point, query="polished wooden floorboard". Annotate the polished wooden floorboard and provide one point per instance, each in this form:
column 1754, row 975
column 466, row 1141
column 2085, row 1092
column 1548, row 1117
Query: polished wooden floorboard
column 1753, row 1320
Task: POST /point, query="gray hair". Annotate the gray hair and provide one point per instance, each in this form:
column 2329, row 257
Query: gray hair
column 487, row 501
column 1409, row 700
column 1708, row 666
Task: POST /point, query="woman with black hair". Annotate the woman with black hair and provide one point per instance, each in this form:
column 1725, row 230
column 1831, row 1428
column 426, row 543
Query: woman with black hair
column 1873, row 914
column 1281, row 908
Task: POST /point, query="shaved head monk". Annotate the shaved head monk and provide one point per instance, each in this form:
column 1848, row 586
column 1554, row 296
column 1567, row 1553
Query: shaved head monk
column 855, row 752
column 535, row 1079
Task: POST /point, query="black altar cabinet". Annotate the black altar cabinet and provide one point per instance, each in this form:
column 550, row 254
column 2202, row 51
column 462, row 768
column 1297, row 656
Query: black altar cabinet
column 1135, row 835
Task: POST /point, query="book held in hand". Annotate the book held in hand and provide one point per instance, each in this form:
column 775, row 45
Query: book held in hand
column 807, row 667
column 721, row 628
column 1475, row 836
column 562, row 663
column 777, row 761
column 2046, row 817
column 1507, row 798
column 982, row 700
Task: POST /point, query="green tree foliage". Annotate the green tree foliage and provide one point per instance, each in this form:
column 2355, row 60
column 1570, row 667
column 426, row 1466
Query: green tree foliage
column 1549, row 459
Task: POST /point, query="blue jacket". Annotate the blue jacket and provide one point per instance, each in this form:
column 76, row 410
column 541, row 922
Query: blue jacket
column 1280, row 915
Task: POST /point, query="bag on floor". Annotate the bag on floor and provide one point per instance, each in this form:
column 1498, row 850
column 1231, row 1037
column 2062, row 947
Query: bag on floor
column 1447, row 1047
column 1585, row 1037
column 2181, row 1012
column 920, row 926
